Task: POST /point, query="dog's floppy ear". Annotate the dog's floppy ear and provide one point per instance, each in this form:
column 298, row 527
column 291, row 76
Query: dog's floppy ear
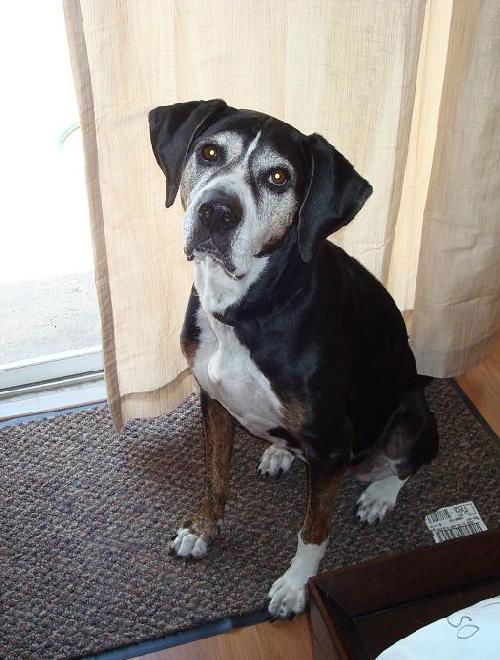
column 173, row 128
column 336, row 192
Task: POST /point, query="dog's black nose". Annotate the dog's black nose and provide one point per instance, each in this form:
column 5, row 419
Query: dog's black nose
column 219, row 213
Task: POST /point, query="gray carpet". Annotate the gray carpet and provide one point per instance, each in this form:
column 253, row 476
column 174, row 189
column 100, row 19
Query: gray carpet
column 86, row 515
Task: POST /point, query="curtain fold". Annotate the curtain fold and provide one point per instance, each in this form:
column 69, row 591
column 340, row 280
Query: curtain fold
column 407, row 232
column 457, row 303
column 375, row 78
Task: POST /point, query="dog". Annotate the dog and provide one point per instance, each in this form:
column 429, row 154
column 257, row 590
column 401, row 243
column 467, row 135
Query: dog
column 284, row 332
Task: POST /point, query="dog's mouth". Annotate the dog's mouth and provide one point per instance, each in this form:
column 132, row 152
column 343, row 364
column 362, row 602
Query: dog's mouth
column 208, row 249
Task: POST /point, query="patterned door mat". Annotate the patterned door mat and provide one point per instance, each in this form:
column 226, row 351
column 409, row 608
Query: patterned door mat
column 86, row 515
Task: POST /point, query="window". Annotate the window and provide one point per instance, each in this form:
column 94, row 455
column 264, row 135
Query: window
column 49, row 321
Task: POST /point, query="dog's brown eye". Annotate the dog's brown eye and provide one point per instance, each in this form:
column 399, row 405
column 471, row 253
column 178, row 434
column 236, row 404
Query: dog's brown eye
column 278, row 176
column 209, row 152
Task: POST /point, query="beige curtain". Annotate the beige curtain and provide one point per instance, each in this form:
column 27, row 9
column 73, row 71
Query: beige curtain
column 408, row 90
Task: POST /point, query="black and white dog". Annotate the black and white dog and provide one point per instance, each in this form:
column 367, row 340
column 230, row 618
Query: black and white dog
column 284, row 331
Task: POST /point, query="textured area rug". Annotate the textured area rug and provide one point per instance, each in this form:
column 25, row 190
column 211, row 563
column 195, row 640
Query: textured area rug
column 86, row 515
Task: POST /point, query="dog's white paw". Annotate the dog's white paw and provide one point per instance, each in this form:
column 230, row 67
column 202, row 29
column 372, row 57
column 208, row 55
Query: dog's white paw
column 288, row 595
column 188, row 544
column 275, row 461
column 378, row 499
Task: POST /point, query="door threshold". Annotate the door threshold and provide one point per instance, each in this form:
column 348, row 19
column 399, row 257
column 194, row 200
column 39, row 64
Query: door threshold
column 63, row 395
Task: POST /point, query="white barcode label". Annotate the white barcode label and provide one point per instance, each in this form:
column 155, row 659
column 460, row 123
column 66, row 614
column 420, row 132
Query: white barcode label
column 452, row 522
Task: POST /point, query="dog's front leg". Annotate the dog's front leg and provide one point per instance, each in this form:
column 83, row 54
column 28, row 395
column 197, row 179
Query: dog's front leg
column 288, row 593
column 193, row 537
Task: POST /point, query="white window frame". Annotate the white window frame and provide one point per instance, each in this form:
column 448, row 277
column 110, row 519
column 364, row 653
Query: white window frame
column 51, row 383
column 51, row 367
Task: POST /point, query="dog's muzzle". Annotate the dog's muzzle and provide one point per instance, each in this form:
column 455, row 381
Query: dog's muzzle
column 219, row 213
column 217, row 216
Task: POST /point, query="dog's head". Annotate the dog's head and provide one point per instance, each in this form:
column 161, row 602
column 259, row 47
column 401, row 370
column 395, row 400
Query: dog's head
column 246, row 179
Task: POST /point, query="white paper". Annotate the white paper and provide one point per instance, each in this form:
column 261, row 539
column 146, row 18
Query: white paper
column 452, row 522
column 470, row 634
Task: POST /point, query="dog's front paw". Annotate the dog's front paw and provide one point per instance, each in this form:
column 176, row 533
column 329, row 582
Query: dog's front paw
column 275, row 461
column 378, row 499
column 193, row 538
column 288, row 595
column 189, row 544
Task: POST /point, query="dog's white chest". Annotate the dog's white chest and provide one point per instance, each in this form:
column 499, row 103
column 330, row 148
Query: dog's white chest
column 225, row 369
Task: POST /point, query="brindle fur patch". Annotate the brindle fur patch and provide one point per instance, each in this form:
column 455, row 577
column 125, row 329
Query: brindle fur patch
column 189, row 348
column 273, row 241
column 218, row 434
column 293, row 414
column 324, row 485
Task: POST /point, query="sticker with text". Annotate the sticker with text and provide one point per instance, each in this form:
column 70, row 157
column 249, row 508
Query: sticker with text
column 452, row 522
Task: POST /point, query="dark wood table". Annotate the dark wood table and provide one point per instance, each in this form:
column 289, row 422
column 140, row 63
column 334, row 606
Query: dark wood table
column 358, row 612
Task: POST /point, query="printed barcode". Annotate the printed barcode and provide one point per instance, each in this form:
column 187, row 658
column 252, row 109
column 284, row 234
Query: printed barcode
column 439, row 515
column 456, row 532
